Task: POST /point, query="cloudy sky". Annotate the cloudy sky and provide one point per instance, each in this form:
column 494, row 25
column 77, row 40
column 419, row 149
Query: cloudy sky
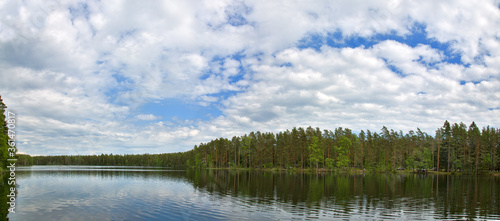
column 91, row 77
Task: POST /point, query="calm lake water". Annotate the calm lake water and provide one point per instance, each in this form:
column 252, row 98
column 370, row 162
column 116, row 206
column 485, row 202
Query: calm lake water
column 144, row 193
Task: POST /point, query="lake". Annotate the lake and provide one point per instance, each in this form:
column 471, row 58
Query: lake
column 145, row 193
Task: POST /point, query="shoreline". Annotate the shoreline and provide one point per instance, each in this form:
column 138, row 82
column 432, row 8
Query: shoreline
column 352, row 171
column 356, row 171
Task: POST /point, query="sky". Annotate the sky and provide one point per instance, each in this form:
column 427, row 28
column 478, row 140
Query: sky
column 133, row 77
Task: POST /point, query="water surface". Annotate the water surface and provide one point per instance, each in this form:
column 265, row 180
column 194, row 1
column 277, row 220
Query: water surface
column 148, row 193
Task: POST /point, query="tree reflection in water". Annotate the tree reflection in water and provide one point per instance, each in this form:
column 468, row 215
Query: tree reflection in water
column 374, row 195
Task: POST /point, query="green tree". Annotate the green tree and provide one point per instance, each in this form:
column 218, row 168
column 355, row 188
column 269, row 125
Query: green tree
column 330, row 163
column 246, row 149
column 447, row 141
column 488, row 142
column 197, row 160
column 344, row 145
column 315, row 152
column 439, row 138
column 362, row 141
column 410, row 162
column 474, row 139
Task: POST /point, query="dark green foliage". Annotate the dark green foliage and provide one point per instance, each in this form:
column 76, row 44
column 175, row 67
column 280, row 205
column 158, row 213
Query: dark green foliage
column 164, row 160
column 24, row 160
column 4, row 138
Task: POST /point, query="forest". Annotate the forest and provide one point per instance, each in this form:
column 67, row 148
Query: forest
column 454, row 147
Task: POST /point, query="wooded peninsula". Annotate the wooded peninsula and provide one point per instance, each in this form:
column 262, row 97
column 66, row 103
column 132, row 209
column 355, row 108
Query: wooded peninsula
column 454, row 147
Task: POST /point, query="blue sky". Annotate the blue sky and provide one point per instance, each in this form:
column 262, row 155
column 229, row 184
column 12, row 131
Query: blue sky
column 91, row 77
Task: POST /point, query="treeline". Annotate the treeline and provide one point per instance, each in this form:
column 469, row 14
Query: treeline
column 454, row 147
column 161, row 160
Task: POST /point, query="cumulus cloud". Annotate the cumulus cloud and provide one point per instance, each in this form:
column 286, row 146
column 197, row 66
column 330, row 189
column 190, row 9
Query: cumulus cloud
column 80, row 74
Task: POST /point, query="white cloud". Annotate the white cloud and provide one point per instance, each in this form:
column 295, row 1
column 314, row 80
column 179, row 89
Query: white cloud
column 352, row 86
column 146, row 117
